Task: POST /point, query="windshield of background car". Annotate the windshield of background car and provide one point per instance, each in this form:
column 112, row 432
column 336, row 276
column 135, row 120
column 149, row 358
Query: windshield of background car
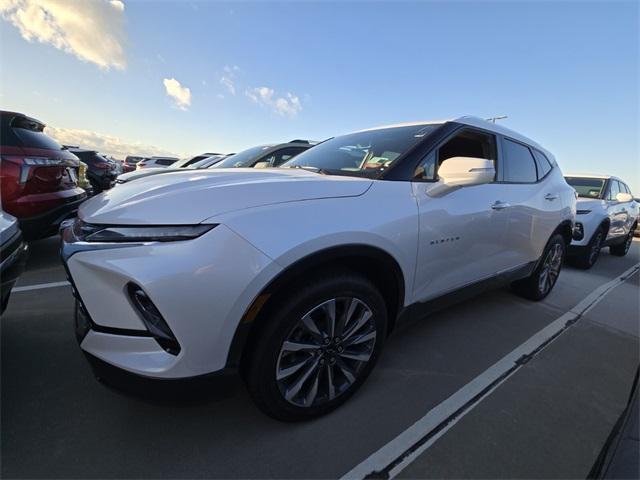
column 587, row 187
column 205, row 162
column 246, row 158
column 365, row 153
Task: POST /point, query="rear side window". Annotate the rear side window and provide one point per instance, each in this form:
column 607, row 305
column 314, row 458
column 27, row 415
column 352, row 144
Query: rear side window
column 519, row 165
column 542, row 163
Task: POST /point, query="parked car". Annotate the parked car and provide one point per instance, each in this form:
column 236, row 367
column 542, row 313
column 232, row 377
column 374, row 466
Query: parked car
column 38, row 178
column 156, row 162
column 296, row 275
column 186, row 162
column 636, row 232
column 130, row 162
column 101, row 172
column 265, row 156
column 607, row 217
column 13, row 256
column 147, row 172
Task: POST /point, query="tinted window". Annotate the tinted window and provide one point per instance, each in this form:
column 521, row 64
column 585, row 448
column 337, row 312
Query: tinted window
column 165, row 161
column 34, row 139
column 587, row 187
column 519, row 165
column 468, row 143
column 246, row 158
column 542, row 162
column 279, row 157
column 365, row 153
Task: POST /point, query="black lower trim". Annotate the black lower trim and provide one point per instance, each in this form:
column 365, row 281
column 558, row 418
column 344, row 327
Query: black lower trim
column 421, row 310
column 199, row 388
column 46, row 224
column 14, row 260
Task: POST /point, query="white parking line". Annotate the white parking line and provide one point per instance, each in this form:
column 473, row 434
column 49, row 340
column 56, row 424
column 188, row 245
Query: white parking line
column 39, row 286
column 396, row 455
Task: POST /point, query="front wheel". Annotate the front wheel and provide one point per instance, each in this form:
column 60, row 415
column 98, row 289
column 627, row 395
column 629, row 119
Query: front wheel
column 317, row 346
column 587, row 256
column 622, row 249
column 540, row 283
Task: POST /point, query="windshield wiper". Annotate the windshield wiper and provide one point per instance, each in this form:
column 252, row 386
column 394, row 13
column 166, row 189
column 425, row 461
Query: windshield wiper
column 310, row 169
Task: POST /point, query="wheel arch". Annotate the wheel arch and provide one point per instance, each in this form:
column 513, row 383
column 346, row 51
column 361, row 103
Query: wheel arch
column 566, row 230
column 379, row 266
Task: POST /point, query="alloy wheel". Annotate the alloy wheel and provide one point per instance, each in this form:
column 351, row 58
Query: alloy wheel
column 326, row 351
column 627, row 243
column 550, row 268
column 595, row 248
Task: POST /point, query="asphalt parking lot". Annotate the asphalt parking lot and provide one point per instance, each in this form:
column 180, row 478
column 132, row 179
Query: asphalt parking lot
column 549, row 417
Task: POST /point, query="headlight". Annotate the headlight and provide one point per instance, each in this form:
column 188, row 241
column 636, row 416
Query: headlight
column 169, row 233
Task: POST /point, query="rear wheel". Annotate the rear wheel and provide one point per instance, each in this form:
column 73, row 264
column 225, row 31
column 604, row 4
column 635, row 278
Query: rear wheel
column 317, row 347
column 540, row 283
column 621, row 249
column 587, row 256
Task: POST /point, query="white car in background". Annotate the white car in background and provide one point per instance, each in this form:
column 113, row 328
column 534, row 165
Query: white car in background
column 296, row 275
column 156, row 162
column 607, row 216
column 147, row 172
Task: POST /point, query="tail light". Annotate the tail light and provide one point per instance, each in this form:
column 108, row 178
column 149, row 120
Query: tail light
column 27, row 164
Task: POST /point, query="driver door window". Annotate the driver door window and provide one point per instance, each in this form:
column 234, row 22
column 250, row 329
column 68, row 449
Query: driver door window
column 468, row 143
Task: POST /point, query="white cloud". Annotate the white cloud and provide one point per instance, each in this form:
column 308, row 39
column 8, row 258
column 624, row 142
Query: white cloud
column 289, row 104
column 107, row 144
column 228, row 78
column 181, row 95
column 92, row 30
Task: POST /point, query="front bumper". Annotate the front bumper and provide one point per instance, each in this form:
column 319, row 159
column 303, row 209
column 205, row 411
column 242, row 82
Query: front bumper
column 201, row 287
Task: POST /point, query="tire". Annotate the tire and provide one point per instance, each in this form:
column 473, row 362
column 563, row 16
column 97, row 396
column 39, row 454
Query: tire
column 542, row 280
column 588, row 255
column 621, row 249
column 4, row 302
column 299, row 370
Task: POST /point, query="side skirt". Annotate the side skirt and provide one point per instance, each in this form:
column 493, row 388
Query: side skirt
column 420, row 310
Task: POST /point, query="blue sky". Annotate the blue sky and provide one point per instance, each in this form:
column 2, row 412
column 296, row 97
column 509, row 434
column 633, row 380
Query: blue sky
column 566, row 73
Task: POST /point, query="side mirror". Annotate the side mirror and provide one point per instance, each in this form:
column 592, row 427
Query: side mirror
column 624, row 197
column 458, row 172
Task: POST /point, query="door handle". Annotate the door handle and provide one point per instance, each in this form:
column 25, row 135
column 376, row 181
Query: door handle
column 550, row 197
column 500, row 205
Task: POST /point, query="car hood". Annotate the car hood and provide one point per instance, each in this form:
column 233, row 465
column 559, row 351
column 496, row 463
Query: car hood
column 191, row 197
column 588, row 203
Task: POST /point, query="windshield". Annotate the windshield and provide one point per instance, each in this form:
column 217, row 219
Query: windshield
column 587, row 187
column 205, row 162
column 246, row 158
column 365, row 153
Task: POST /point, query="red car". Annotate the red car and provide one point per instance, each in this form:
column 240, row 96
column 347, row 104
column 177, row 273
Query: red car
column 38, row 177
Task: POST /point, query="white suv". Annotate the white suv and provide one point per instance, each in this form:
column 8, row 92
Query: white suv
column 607, row 216
column 296, row 275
